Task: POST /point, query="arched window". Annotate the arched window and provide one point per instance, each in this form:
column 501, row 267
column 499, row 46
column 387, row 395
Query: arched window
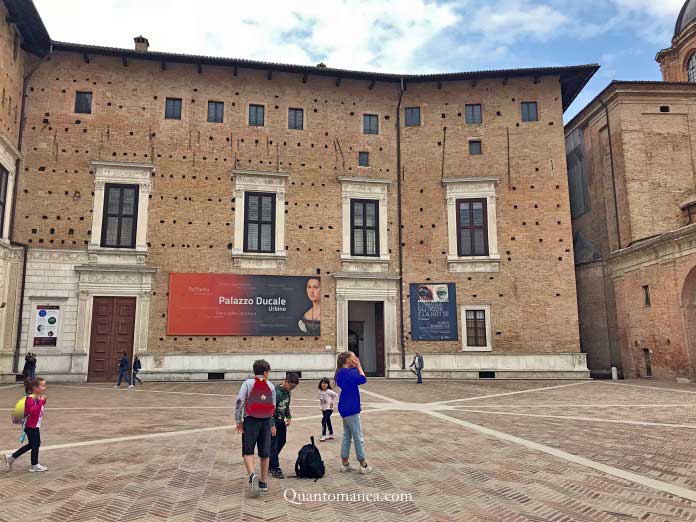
column 691, row 69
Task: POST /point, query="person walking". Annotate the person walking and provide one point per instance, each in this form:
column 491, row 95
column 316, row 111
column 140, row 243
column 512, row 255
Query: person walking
column 123, row 371
column 417, row 366
column 136, row 368
column 327, row 404
column 282, row 419
column 33, row 413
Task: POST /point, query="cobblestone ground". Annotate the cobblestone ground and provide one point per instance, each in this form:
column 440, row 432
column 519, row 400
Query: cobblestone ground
column 453, row 451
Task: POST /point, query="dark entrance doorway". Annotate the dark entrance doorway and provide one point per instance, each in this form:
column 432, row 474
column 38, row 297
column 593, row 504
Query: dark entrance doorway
column 366, row 335
column 113, row 326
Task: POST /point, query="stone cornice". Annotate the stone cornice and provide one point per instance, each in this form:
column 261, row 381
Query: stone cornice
column 353, row 179
column 260, row 173
column 14, row 151
column 471, row 179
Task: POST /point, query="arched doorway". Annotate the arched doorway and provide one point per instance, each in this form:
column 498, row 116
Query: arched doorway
column 688, row 306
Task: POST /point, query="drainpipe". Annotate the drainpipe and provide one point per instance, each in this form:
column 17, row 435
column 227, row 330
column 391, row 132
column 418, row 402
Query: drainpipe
column 613, row 177
column 24, row 246
column 400, row 233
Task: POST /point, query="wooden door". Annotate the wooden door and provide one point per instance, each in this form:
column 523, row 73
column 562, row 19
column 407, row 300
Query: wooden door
column 113, row 327
column 379, row 337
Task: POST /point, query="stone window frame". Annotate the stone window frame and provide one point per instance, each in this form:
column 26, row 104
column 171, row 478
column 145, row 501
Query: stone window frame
column 265, row 182
column 8, row 159
column 489, row 339
column 371, row 189
column 475, row 187
column 121, row 173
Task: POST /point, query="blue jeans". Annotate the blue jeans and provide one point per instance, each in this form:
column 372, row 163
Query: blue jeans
column 352, row 430
column 123, row 374
column 420, row 377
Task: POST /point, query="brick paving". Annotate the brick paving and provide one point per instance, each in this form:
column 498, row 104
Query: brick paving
column 193, row 472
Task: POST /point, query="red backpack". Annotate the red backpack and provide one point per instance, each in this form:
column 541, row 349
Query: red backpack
column 260, row 403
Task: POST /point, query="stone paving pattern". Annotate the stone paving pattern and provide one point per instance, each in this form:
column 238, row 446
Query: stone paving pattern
column 194, row 472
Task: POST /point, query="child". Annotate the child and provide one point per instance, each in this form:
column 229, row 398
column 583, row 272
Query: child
column 136, row 368
column 327, row 402
column 350, row 375
column 33, row 412
column 282, row 421
column 123, row 371
column 254, row 417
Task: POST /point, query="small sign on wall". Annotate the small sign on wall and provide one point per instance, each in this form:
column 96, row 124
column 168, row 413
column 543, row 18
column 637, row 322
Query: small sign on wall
column 46, row 323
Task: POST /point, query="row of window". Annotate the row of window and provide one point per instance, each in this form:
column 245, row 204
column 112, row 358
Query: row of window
column 216, row 111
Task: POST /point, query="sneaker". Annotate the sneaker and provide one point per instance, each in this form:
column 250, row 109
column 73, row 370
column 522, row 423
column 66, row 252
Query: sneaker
column 38, row 468
column 277, row 473
column 365, row 469
column 330, row 436
column 116, row 386
column 9, row 459
column 323, row 438
column 263, row 486
column 346, row 467
column 131, row 386
column 254, row 484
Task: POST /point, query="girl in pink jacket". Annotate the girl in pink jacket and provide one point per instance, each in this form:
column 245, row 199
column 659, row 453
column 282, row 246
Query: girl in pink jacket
column 33, row 412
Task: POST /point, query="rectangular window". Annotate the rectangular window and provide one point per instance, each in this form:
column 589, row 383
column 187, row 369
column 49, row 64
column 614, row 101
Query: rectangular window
column 256, row 115
column 172, row 109
column 216, row 111
column 4, row 178
column 473, row 114
column 83, row 102
column 472, row 228
column 364, row 227
column 412, row 116
column 363, row 159
column 296, row 119
column 646, row 295
column 370, row 124
column 475, row 148
column 120, row 218
column 259, row 222
column 529, row 111
column 476, row 328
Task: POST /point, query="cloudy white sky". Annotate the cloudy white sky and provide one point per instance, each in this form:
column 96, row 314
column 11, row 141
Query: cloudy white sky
column 407, row 36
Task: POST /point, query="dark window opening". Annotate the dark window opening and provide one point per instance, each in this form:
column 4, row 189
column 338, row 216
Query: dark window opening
column 648, row 364
column 646, row 295
column 259, row 222
column 364, row 225
column 412, row 116
column 475, row 148
column 476, row 328
column 4, row 179
column 296, row 119
column 216, row 111
column 83, row 102
column 486, row 375
column 472, row 228
column 473, row 114
column 529, row 111
column 120, row 221
column 364, row 159
column 172, row 109
column 664, row 108
column 370, row 124
column 256, row 115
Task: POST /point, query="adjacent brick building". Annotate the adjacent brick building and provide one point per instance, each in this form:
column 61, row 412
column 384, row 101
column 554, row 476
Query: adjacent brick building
column 633, row 200
column 362, row 183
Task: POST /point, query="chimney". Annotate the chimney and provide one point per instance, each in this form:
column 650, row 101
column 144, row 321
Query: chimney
column 141, row 44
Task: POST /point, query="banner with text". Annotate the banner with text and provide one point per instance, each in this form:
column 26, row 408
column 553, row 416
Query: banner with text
column 433, row 312
column 235, row 304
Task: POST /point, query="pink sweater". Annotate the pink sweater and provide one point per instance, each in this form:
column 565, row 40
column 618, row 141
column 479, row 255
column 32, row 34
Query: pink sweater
column 33, row 411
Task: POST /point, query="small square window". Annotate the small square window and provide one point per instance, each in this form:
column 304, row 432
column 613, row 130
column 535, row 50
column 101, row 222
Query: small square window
column 529, row 111
column 412, row 116
column 256, row 115
column 664, row 108
column 296, row 119
column 475, row 148
column 172, row 109
column 370, row 124
column 473, row 114
column 364, row 159
column 216, row 111
column 83, row 102
column 646, row 295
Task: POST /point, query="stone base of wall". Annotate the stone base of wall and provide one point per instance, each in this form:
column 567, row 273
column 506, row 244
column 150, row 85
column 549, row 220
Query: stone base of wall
column 474, row 375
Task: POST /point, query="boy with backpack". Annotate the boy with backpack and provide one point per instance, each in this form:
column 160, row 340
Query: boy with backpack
column 253, row 414
column 282, row 420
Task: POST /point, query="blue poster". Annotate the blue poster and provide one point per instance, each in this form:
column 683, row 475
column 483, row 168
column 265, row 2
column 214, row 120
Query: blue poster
column 433, row 312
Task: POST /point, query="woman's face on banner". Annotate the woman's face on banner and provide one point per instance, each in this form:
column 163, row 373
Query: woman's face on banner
column 314, row 290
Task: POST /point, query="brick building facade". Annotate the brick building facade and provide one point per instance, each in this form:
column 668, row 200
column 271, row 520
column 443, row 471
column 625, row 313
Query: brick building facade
column 632, row 179
column 456, row 179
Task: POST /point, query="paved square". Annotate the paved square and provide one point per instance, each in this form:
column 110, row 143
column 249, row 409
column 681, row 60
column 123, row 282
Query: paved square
column 463, row 451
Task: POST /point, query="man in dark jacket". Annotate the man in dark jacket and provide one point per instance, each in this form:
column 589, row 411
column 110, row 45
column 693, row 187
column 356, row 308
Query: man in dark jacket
column 417, row 364
column 137, row 366
column 123, row 371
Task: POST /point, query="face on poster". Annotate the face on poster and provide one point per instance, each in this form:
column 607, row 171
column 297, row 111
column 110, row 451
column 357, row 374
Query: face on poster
column 433, row 312
column 46, row 325
column 250, row 305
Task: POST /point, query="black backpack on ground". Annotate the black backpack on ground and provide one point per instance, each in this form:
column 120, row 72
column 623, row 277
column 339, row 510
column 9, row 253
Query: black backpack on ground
column 309, row 463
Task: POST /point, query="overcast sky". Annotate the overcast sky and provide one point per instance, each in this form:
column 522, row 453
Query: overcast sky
column 399, row 36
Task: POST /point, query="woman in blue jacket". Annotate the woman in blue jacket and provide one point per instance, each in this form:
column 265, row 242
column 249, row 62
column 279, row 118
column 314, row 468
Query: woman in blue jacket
column 350, row 375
